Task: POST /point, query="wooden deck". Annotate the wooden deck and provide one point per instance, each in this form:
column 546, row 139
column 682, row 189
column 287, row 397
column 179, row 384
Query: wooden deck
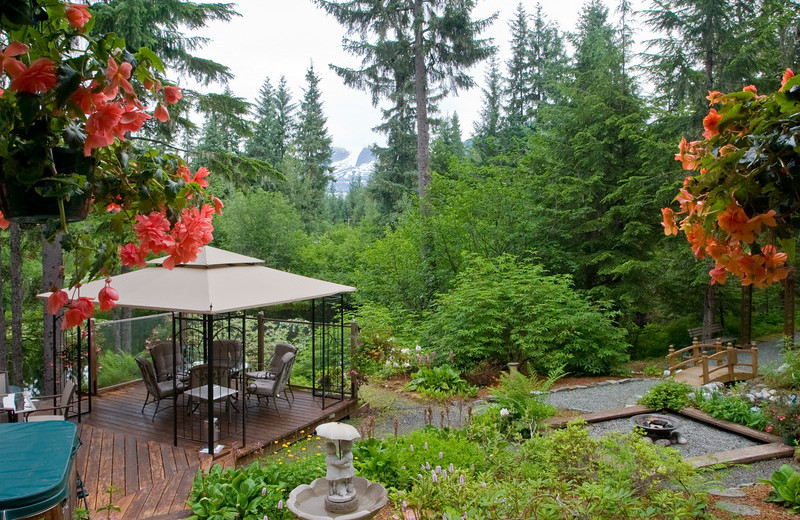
column 124, row 448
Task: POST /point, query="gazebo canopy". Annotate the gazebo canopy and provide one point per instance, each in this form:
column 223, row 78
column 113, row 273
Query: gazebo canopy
column 218, row 281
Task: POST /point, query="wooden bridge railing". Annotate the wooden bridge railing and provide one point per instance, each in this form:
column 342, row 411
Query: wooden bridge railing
column 725, row 359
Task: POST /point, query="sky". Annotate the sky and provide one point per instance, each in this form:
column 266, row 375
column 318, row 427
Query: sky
column 284, row 37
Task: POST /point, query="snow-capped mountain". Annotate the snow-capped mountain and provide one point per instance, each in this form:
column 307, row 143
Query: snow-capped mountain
column 349, row 164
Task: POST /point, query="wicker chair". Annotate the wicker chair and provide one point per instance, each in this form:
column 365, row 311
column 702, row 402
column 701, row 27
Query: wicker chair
column 273, row 388
column 155, row 389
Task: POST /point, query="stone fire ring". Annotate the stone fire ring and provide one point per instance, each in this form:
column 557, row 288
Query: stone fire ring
column 657, row 424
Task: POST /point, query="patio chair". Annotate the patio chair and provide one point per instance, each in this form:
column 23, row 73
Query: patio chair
column 198, row 382
column 274, row 365
column 162, row 362
column 155, row 389
column 59, row 405
column 272, row 388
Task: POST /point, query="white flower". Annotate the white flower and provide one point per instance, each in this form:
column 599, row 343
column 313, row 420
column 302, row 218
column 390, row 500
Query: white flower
column 406, row 364
column 405, row 350
column 504, row 412
column 418, row 348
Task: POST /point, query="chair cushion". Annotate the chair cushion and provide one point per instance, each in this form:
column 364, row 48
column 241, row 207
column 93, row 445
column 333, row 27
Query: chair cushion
column 261, row 374
column 165, row 387
column 261, row 387
column 41, row 418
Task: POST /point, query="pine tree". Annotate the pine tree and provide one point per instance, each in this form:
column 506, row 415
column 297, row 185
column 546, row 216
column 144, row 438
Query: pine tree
column 489, row 123
column 272, row 125
column 313, row 149
column 158, row 26
column 438, row 40
column 519, row 104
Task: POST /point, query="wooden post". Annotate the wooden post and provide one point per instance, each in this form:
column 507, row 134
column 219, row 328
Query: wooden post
column 704, row 360
column 670, row 356
column 754, row 358
column 731, row 360
column 260, row 340
column 746, row 315
column 92, row 350
column 788, row 310
column 353, row 354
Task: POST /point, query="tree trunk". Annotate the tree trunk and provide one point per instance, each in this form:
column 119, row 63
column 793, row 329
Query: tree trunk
column 17, row 297
column 52, row 278
column 708, row 312
column 788, row 311
column 746, row 316
column 3, row 348
column 421, row 94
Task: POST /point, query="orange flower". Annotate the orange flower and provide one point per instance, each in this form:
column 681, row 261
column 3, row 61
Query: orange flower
column 100, row 126
column 668, row 221
column 39, row 77
column 786, row 77
column 687, row 155
column 161, row 113
column 719, row 275
column 725, row 150
column 7, row 60
column 118, row 76
column 131, row 256
column 735, row 221
column 710, row 123
column 714, row 97
column 79, row 310
column 78, row 15
column 696, row 236
column 4, row 223
column 107, row 296
column 218, row 205
column 152, row 232
column 56, row 301
column 131, row 120
column 172, row 94
column 750, row 88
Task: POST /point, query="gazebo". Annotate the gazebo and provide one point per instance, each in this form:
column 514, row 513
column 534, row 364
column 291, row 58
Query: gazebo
column 218, row 283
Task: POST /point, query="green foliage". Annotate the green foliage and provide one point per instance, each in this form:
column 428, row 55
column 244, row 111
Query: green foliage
column 440, row 382
column 509, row 310
column 397, row 462
column 785, row 488
column 788, row 374
column 734, row 408
column 520, row 405
column 652, row 370
column 116, row 367
column 264, row 225
column 668, row 395
column 566, row 474
column 252, row 492
column 654, row 339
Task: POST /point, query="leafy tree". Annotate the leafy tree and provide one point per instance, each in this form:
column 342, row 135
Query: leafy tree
column 507, row 310
column 262, row 224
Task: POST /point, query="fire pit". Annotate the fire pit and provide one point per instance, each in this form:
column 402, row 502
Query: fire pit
column 659, row 427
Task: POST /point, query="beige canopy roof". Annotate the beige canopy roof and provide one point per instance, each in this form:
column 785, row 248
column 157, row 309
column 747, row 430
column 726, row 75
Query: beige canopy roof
column 218, row 281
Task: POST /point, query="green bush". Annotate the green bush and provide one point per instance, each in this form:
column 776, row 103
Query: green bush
column 505, row 309
column 116, row 367
column 520, row 406
column 440, row 382
column 654, row 339
column 668, row 395
column 253, row 492
column 566, row 474
column 734, row 408
column 785, row 488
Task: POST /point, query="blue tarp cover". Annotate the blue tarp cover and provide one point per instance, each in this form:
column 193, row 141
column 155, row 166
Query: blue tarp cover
column 35, row 460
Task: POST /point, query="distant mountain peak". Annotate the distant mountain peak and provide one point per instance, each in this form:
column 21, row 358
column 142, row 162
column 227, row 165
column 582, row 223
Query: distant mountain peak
column 349, row 165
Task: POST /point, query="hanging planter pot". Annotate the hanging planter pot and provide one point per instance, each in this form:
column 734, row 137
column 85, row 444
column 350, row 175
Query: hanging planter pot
column 25, row 205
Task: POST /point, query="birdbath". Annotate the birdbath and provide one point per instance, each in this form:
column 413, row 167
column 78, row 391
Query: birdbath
column 340, row 494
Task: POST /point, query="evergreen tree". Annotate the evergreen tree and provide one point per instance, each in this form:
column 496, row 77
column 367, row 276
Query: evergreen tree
column 272, row 126
column 313, row 150
column 436, row 39
column 159, row 27
column 519, row 98
column 548, row 61
column 489, row 123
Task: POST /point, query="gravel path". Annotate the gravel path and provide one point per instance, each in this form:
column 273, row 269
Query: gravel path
column 602, row 396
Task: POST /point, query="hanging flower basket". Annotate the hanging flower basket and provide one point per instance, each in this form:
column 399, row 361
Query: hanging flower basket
column 25, row 205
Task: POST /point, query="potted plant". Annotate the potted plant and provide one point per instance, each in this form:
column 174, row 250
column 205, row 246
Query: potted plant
column 70, row 105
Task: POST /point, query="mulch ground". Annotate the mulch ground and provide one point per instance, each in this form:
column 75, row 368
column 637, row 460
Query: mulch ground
column 755, row 498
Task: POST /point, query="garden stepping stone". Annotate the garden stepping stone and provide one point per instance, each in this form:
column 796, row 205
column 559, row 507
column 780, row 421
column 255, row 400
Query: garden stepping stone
column 738, row 509
column 728, row 493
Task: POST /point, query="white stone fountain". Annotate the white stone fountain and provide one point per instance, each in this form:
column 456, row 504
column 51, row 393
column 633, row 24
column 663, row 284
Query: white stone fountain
column 340, row 494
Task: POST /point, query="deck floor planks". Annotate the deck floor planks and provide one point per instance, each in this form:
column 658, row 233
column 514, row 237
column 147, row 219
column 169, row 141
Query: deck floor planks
column 124, row 447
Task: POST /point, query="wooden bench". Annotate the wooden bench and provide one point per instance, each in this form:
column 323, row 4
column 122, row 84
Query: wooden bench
column 712, row 332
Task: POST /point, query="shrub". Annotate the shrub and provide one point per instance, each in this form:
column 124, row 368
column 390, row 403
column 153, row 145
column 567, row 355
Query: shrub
column 116, row 367
column 733, row 408
column 521, row 404
column 505, row 309
column 785, row 488
column 654, row 339
column 669, row 395
column 440, row 382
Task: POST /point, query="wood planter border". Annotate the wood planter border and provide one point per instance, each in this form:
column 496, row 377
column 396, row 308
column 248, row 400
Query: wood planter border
column 771, row 446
